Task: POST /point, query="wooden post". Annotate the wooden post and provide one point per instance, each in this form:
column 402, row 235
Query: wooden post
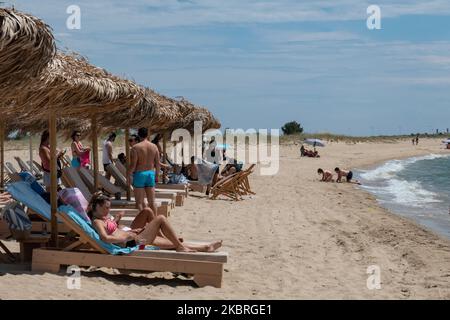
column 127, row 155
column 164, row 156
column 95, row 150
column 53, row 179
column 2, row 153
column 31, row 153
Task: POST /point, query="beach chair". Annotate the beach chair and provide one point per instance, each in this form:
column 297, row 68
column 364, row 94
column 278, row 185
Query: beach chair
column 35, row 206
column 115, row 190
column 65, row 161
column 5, row 234
column 36, row 166
column 25, row 167
column 89, row 250
column 176, row 196
column 179, row 188
column 228, row 187
column 10, row 168
column 243, row 182
column 72, row 179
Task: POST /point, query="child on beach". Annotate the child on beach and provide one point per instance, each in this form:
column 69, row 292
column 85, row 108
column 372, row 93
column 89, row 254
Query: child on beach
column 345, row 173
column 327, row 176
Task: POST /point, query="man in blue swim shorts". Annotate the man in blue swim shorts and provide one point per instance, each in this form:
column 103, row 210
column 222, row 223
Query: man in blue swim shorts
column 144, row 165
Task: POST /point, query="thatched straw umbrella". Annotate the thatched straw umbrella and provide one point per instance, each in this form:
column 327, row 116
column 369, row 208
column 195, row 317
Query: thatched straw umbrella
column 72, row 87
column 199, row 114
column 26, row 47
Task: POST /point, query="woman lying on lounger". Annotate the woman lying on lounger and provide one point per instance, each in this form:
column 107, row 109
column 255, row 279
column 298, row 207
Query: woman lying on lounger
column 154, row 230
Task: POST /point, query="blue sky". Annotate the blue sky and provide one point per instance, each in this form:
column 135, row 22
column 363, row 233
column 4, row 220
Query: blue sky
column 259, row 64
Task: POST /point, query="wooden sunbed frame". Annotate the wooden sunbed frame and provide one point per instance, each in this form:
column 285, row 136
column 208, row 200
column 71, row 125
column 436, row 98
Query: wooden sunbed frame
column 178, row 188
column 25, row 167
column 176, row 195
column 234, row 186
column 207, row 268
column 72, row 179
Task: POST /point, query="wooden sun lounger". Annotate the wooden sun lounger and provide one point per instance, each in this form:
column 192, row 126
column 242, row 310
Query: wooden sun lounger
column 25, row 167
column 22, row 165
column 234, row 186
column 176, row 196
column 207, row 268
column 26, row 244
column 10, row 168
column 243, row 182
column 5, row 234
column 179, row 188
column 36, row 166
column 227, row 187
column 88, row 176
column 65, row 161
column 72, row 179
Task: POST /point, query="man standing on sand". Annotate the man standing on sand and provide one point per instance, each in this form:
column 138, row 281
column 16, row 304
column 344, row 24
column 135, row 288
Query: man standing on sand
column 144, row 166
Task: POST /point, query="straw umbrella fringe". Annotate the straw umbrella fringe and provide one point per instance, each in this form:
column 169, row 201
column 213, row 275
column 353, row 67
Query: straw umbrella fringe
column 74, row 88
column 26, row 47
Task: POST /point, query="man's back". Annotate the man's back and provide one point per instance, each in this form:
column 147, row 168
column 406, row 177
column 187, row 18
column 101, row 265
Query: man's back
column 145, row 153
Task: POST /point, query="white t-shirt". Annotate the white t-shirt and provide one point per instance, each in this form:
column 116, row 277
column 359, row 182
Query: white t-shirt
column 105, row 154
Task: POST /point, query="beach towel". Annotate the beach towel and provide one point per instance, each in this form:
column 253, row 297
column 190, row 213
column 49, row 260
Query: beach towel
column 177, row 179
column 89, row 230
column 22, row 192
column 74, row 198
column 206, row 171
column 85, row 159
column 28, row 177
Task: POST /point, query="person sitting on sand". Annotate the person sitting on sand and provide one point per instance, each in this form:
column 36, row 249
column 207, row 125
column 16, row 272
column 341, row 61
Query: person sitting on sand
column 327, row 176
column 345, row 173
column 145, row 228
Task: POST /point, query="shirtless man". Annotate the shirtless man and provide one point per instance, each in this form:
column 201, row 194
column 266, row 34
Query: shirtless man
column 144, row 166
column 327, row 176
column 345, row 173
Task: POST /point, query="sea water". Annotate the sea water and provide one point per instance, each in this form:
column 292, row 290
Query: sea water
column 417, row 188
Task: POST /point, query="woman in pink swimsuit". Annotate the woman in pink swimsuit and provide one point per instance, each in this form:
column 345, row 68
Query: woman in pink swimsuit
column 152, row 230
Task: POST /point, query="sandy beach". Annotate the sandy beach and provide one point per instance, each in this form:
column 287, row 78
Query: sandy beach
column 297, row 238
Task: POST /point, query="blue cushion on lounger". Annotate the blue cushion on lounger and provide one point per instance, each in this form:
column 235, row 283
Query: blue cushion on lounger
column 22, row 192
column 90, row 231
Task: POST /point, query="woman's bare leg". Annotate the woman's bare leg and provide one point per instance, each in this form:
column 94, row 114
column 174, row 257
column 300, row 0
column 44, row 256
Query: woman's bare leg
column 166, row 244
column 160, row 223
column 144, row 217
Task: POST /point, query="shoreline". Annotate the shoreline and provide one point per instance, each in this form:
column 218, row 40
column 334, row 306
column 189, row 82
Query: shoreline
column 393, row 212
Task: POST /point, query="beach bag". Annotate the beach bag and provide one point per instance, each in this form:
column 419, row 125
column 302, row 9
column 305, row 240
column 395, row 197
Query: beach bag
column 73, row 197
column 28, row 177
column 178, row 179
column 18, row 221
